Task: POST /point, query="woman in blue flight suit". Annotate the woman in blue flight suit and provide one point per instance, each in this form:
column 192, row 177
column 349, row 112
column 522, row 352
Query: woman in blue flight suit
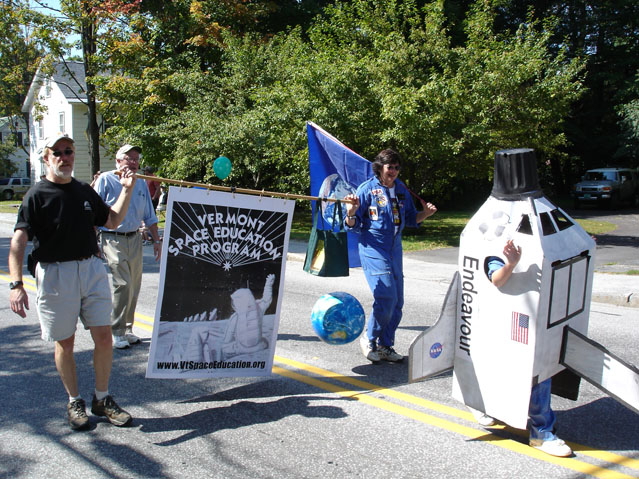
column 379, row 211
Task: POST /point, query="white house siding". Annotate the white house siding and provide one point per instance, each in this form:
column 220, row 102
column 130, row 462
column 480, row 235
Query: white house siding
column 75, row 113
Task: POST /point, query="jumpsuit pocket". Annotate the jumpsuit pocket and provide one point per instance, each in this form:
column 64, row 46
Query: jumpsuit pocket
column 375, row 265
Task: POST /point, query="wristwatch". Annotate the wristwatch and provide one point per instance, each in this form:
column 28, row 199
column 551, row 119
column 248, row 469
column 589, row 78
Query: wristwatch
column 15, row 284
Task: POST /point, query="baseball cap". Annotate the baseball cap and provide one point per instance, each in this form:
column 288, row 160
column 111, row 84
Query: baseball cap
column 52, row 140
column 125, row 149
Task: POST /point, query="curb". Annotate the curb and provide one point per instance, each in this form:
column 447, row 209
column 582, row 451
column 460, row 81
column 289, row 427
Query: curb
column 628, row 300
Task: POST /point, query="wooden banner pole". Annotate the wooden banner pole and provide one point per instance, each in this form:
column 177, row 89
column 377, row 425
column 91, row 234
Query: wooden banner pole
column 233, row 189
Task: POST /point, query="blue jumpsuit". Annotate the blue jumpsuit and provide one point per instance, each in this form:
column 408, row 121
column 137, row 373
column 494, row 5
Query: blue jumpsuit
column 380, row 252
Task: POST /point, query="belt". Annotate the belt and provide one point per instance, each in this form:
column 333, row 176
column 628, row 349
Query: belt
column 118, row 233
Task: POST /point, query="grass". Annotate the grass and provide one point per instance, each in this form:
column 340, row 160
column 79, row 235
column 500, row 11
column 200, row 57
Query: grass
column 440, row 231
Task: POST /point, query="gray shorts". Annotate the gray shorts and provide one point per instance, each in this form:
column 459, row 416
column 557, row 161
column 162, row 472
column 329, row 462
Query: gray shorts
column 72, row 289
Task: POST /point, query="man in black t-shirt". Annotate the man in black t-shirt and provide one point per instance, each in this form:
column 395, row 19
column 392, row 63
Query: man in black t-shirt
column 59, row 214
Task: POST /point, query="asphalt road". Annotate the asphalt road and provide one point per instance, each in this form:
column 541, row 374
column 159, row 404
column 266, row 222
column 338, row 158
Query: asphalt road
column 324, row 412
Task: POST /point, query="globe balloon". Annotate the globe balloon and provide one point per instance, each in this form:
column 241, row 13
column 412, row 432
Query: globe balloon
column 338, row 318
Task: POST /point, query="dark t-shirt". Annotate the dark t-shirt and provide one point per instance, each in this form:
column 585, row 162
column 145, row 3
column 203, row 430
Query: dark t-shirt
column 60, row 220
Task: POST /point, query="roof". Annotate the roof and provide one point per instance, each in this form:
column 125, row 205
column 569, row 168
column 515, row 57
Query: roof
column 68, row 75
column 5, row 120
column 71, row 79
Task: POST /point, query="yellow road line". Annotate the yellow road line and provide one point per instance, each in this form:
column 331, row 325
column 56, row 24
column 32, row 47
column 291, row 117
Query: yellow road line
column 451, row 426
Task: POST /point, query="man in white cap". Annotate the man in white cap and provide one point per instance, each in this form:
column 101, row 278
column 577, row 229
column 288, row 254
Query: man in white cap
column 59, row 214
column 122, row 246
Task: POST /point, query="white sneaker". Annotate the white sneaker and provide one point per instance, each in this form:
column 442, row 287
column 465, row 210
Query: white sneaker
column 367, row 349
column 482, row 418
column 120, row 342
column 130, row 337
column 485, row 420
column 389, row 354
column 554, row 447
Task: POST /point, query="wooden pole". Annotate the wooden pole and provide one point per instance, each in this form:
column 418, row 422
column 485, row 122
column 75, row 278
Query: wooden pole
column 233, row 189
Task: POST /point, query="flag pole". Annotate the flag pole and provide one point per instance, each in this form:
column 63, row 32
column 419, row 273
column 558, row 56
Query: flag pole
column 233, row 189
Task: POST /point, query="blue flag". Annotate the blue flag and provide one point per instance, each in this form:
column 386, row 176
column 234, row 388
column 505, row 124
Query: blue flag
column 336, row 171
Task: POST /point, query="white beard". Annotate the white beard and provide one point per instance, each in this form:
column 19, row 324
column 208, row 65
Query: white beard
column 59, row 173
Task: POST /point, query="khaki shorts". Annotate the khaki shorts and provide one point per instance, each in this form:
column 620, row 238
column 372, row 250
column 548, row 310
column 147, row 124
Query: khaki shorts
column 72, row 289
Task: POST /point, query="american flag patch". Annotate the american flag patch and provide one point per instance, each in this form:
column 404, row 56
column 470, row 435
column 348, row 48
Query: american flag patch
column 519, row 328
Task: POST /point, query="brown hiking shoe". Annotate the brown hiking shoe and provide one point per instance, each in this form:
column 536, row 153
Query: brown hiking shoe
column 77, row 415
column 108, row 408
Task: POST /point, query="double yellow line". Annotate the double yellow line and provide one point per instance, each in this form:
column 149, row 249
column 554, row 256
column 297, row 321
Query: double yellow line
column 367, row 392
column 372, row 394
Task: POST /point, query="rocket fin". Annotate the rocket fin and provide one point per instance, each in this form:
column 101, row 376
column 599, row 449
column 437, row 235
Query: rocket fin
column 433, row 352
column 598, row 366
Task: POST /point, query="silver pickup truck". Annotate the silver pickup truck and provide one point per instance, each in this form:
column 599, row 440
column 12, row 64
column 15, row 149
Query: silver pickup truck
column 608, row 187
column 10, row 187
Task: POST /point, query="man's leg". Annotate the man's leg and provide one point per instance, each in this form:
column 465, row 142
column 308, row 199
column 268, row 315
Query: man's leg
column 114, row 249
column 135, row 268
column 65, row 364
column 102, row 356
column 102, row 361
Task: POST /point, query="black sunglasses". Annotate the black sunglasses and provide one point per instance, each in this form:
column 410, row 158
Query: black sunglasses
column 394, row 167
column 67, row 152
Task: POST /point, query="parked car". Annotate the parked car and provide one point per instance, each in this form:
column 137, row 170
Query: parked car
column 607, row 187
column 10, row 187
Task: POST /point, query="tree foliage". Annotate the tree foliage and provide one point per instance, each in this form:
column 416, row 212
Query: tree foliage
column 373, row 73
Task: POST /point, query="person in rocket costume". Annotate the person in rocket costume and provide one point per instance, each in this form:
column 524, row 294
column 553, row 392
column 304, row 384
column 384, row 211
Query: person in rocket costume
column 511, row 323
column 541, row 416
column 379, row 211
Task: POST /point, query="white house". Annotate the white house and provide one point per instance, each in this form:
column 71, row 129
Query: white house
column 9, row 125
column 55, row 104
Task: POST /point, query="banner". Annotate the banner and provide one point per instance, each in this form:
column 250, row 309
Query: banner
column 336, row 171
column 221, row 285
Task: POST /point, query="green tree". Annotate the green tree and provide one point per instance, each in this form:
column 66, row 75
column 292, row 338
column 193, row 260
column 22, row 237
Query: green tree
column 7, row 168
column 19, row 58
column 375, row 74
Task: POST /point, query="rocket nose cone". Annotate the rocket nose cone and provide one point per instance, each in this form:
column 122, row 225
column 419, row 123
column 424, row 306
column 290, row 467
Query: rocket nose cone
column 515, row 174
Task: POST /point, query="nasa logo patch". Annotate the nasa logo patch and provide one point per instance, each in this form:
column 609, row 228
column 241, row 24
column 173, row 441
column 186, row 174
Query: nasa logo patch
column 436, row 350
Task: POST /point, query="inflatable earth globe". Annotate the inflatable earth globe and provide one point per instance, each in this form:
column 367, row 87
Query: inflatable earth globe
column 338, row 318
column 333, row 187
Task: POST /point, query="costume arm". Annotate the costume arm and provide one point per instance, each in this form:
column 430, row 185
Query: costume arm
column 513, row 254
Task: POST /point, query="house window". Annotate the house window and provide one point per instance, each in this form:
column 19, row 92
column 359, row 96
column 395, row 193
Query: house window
column 40, row 129
column 61, row 129
column 47, row 88
column 18, row 139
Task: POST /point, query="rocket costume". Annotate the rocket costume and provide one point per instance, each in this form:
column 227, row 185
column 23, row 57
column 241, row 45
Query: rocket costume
column 380, row 219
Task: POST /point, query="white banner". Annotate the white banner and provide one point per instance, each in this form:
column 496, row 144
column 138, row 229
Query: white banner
column 221, row 285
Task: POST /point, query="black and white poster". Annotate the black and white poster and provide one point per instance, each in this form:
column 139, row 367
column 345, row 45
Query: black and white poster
column 221, row 285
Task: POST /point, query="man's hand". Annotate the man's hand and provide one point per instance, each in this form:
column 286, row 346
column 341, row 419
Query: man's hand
column 127, row 177
column 19, row 301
